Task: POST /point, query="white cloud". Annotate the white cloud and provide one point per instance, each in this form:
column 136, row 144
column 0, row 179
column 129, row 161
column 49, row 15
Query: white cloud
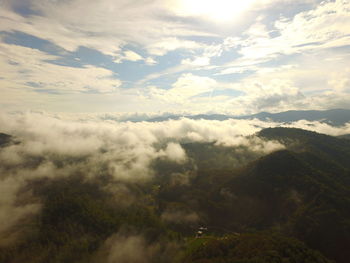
column 257, row 30
column 196, row 62
column 321, row 127
column 175, row 152
column 28, row 68
column 309, row 34
column 163, row 46
column 274, row 94
column 186, row 87
column 260, row 92
column 129, row 55
column 150, row 61
column 340, row 80
column 323, row 27
column 218, row 11
column 105, row 26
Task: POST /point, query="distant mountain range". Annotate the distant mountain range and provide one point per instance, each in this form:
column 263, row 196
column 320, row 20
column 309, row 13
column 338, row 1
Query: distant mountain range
column 334, row 117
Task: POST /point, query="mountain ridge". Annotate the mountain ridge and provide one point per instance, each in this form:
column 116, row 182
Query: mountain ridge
column 335, row 117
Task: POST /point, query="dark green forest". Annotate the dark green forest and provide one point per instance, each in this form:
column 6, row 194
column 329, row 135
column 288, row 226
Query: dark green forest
column 289, row 206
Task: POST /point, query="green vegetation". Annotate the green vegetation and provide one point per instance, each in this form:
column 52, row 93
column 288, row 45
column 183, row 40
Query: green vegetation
column 252, row 248
column 77, row 216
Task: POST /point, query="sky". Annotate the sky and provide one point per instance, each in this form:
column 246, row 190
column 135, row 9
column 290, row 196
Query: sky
column 180, row 56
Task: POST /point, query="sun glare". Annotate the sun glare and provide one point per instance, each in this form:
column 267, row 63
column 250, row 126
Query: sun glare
column 218, row 10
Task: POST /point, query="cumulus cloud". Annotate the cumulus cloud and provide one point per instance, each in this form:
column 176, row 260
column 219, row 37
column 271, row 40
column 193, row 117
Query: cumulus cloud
column 175, row 152
column 186, row 87
column 28, row 69
column 301, row 86
column 275, row 94
column 165, row 45
column 251, row 95
column 128, row 55
column 198, row 61
column 319, row 28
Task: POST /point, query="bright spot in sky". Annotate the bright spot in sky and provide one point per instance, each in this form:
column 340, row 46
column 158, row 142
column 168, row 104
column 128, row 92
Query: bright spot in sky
column 218, row 10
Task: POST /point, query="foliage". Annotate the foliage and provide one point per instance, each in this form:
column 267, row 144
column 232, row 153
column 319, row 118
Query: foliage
column 253, row 248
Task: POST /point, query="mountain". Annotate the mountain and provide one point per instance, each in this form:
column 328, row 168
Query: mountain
column 302, row 191
column 345, row 136
column 251, row 248
column 220, row 117
column 5, row 139
column 291, row 205
column 293, row 192
column 326, row 147
column 334, row 117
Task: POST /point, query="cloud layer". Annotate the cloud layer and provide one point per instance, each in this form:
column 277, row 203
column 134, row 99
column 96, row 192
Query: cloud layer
column 49, row 147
